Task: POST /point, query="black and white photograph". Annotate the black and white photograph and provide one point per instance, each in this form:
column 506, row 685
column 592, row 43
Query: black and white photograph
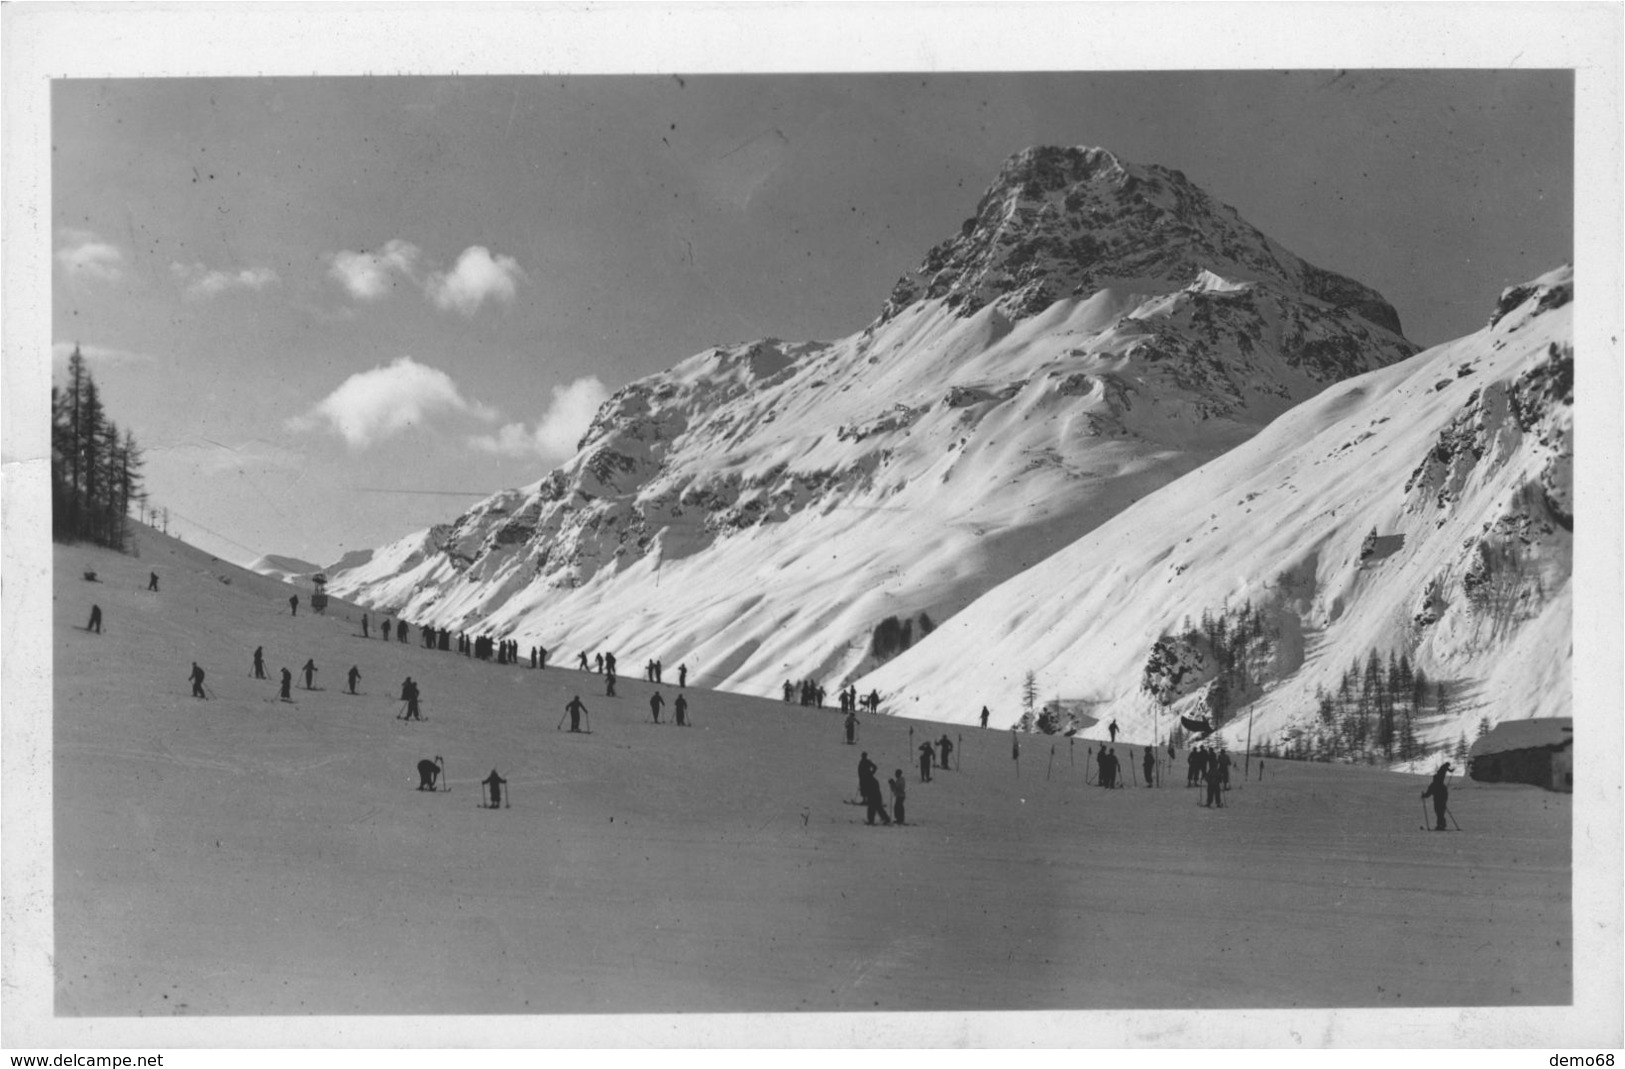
column 1032, row 525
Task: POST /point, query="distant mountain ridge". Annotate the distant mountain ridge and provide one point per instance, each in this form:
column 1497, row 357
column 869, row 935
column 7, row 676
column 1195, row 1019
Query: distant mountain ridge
column 779, row 510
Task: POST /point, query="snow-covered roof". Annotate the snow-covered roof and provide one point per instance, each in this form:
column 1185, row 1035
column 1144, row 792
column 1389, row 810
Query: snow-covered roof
column 1526, row 735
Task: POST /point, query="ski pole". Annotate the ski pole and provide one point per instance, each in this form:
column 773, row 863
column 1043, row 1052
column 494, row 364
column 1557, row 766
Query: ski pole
column 1452, row 817
column 1424, row 814
column 560, row 724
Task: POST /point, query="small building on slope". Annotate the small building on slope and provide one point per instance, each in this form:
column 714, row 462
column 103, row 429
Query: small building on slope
column 1539, row 751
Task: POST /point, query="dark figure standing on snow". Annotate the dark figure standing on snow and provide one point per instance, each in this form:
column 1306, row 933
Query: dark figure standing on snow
column 1193, row 768
column 788, row 690
column 400, row 630
column 681, row 706
column 152, row 581
column 310, row 673
column 1112, row 727
column 494, row 783
column 926, row 754
column 1215, row 785
column 682, row 675
column 1150, row 765
column 851, row 728
column 899, row 793
column 575, row 709
column 383, row 632
column 655, row 702
column 869, row 788
column 355, row 677
column 947, row 747
column 409, row 695
column 197, row 681
column 427, row 772
column 1439, row 791
column 293, row 605
column 364, row 632
column 1102, row 776
column 1261, row 770
column 259, row 662
column 609, row 685
column 583, row 662
column 286, row 693
column 598, row 662
column 984, row 716
column 95, row 619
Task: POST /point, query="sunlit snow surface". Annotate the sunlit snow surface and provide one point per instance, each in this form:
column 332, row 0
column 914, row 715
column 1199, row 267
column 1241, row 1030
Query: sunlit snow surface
column 241, row 856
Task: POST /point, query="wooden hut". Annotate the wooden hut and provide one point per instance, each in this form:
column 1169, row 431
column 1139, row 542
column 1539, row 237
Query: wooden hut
column 1539, row 751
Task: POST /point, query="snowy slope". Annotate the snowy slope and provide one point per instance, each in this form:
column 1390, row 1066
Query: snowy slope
column 286, row 569
column 1095, row 331
column 1424, row 509
column 242, row 856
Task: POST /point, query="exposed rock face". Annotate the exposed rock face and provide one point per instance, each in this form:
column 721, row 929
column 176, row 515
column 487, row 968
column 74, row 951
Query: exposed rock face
column 1096, row 331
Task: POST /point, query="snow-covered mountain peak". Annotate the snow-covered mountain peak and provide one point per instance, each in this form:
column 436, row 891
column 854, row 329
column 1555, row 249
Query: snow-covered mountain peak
column 779, row 509
column 1061, row 222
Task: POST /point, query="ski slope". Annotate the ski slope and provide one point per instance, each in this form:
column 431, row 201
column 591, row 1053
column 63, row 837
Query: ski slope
column 242, row 856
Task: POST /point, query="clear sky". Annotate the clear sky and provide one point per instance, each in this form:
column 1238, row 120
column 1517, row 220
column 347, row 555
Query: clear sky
column 299, row 292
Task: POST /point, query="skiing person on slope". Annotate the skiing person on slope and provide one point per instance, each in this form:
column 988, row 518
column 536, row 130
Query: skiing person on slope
column 945, row 745
column 310, row 672
column 1439, row 791
column 681, row 706
column 1112, row 727
column 427, row 771
column 899, row 792
column 851, row 728
column 287, row 686
column 869, row 788
column 494, row 782
column 354, row 677
column 259, row 662
column 293, row 605
column 984, row 716
column 575, row 709
column 197, row 682
column 926, row 754
column 655, row 702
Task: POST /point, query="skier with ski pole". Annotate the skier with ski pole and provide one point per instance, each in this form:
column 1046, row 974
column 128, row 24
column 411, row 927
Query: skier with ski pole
column 1439, row 791
column 574, row 710
column 494, row 783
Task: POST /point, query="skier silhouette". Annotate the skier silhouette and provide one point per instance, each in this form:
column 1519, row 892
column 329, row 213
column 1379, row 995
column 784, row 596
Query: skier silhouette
column 851, row 728
column 310, row 672
column 1113, row 729
column 428, row 771
column 409, row 695
column 869, row 789
column 355, row 677
column 1439, row 791
column 152, row 581
column 95, row 619
column 682, row 675
column 655, row 702
column 899, row 792
column 287, row 686
column 575, row 709
column 926, row 754
column 364, row 632
column 197, row 682
column 681, row 708
column 494, row 783
column 293, row 605
column 984, row 716
column 259, row 662
column 947, row 747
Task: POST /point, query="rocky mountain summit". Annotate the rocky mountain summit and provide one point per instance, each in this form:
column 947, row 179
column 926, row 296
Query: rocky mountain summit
column 779, row 509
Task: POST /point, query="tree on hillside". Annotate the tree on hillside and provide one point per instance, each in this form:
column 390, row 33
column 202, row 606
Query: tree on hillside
column 95, row 471
column 1029, row 699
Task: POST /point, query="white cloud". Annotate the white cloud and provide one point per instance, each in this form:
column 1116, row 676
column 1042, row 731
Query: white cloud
column 477, row 277
column 369, row 276
column 371, row 406
column 560, row 428
column 83, row 255
column 202, row 282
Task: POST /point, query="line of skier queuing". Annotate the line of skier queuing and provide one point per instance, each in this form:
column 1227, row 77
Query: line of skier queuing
column 1206, row 767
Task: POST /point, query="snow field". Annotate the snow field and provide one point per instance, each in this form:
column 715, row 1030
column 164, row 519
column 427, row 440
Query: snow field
column 242, row 856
